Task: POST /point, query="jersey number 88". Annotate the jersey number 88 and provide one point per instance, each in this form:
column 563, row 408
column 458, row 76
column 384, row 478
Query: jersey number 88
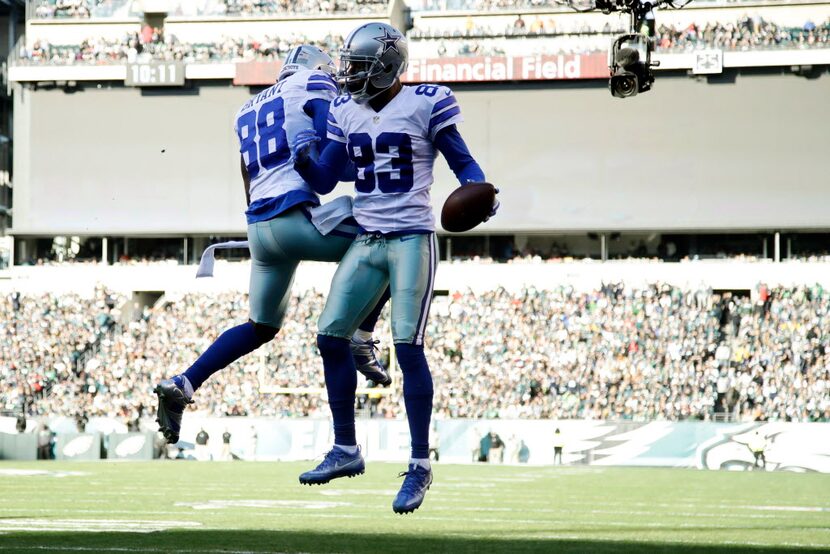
column 272, row 148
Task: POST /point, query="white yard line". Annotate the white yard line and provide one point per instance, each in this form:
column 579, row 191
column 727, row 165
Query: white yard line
column 130, row 549
column 92, row 525
column 271, row 508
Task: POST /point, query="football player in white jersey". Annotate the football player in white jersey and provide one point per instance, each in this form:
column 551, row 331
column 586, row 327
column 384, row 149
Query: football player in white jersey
column 281, row 229
column 392, row 133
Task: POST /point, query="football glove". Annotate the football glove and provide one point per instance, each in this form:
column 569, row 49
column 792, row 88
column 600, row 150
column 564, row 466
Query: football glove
column 495, row 209
column 301, row 146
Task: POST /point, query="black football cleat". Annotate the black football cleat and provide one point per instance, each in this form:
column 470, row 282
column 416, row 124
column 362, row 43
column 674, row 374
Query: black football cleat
column 172, row 402
column 366, row 361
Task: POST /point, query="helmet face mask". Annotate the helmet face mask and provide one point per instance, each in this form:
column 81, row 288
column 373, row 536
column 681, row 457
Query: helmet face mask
column 374, row 56
column 356, row 77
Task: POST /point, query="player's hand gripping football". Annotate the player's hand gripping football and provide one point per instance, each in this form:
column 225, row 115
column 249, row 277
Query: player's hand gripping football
column 496, row 205
column 301, row 146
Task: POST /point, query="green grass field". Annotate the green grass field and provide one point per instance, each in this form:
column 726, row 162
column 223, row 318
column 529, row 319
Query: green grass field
column 259, row 507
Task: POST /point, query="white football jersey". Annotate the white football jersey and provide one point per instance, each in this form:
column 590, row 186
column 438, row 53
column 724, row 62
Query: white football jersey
column 394, row 154
column 267, row 124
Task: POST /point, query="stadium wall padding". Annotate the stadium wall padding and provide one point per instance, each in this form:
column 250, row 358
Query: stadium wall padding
column 18, row 446
column 131, row 446
column 746, row 151
column 78, row 446
column 796, row 447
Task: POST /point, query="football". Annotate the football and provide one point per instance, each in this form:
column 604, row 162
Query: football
column 467, row 206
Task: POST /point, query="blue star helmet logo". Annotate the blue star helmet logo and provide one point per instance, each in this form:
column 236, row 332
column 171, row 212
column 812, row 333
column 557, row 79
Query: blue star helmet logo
column 389, row 42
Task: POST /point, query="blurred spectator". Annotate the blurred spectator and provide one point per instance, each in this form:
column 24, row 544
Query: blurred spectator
column 524, row 452
column 496, row 454
column 20, row 424
column 202, row 452
column 757, row 444
column 484, row 446
column 45, row 443
column 226, row 446
column 558, row 446
column 81, row 419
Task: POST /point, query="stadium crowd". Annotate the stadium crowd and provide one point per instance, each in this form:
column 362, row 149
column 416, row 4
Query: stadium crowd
column 745, row 34
column 480, row 5
column 618, row 353
column 46, row 9
column 579, row 37
column 58, row 9
column 44, row 341
column 520, row 27
column 152, row 43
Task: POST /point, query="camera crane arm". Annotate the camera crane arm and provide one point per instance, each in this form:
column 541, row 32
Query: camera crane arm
column 629, row 60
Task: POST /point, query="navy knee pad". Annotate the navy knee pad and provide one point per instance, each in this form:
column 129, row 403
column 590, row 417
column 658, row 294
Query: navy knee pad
column 264, row 333
column 332, row 346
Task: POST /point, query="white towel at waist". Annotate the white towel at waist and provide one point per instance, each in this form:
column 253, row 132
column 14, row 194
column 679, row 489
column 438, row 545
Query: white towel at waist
column 209, row 256
column 328, row 216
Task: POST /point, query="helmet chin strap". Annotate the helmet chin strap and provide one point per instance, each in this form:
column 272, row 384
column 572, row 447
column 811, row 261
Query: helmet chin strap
column 369, row 97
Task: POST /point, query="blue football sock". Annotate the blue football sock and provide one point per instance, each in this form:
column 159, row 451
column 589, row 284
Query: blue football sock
column 341, row 383
column 371, row 320
column 231, row 345
column 417, row 395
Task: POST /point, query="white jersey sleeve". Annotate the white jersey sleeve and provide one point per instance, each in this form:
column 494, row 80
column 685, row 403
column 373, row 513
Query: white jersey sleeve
column 320, row 84
column 441, row 109
column 334, row 131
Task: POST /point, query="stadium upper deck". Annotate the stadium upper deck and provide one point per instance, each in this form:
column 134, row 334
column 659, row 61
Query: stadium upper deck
column 717, row 159
column 227, row 35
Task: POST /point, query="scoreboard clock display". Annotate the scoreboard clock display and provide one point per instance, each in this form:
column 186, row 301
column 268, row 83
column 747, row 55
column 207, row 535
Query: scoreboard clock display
column 155, row 74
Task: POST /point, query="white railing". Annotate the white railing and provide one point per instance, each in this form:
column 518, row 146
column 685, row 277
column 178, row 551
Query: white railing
column 451, row 276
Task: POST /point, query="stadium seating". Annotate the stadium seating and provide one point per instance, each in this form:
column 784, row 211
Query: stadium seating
column 46, row 339
column 57, row 9
column 617, row 353
column 540, row 36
